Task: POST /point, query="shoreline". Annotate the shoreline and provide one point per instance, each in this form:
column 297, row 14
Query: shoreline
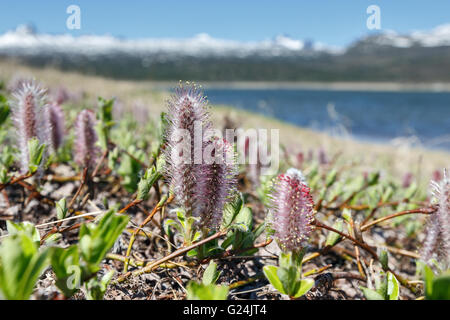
column 331, row 86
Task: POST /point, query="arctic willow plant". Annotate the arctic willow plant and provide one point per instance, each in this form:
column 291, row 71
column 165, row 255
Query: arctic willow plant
column 56, row 118
column 30, row 116
column 217, row 183
column 85, row 149
column 291, row 220
column 186, row 109
column 438, row 229
column 201, row 186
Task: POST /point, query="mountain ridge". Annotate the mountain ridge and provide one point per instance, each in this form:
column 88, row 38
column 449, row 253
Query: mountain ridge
column 418, row 56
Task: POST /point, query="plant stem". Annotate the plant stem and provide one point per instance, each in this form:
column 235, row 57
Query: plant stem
column 398, row 214
column 143, row 224
column 151, row 266
column 13, row 181
column 344, row 235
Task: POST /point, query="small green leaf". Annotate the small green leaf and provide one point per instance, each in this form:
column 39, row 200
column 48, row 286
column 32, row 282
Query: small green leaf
column 384, row 259
column 35, row 153
column 441, row 287
column 289, row 278
column 4, row 109
column 65, row 265
column 106, row 122
column 393, row 289
column 61, row 209
column 271, row 274
column 96, row 289
column 334, row 237
column 331, row 178
column 211, row 274
column 305, row 286
column 371, row 294
column 347, row 215
column 24, row 227
column 231, row 211
column 197, row 291
column 150, row 177
column 21, row 264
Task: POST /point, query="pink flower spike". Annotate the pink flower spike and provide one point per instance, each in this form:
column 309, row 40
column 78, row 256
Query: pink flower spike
column 292, row 211
column 30, row 117
column 86, row 151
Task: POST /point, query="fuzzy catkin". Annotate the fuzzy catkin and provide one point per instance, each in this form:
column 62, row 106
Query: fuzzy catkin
column 437, row 240
column 56, row 118
column 216, row 184
column 31, row 119
column 292, row 211
column 187, row 109
column 85, row 149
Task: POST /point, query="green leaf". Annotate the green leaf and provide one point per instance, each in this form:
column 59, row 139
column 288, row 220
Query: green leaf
column 172, row 223
column 384, row 259
column 271, row 273
column 96, row 240
column 331, row 178
column 347, row 215
column 198, row 291
column 290, row 279
column 371, row 294
column 26, row 228
column 211, row 274
column 4, row 176
column 106, row 122
column 428, row 275
column 382, row 286
column 409, row 193
column 441, row 287
column 373, row 178
column 245, row 218
column 66, row 266
column 333, row 237
column 35, row 153
column 231, row 210
column 21, row 264
column 387, row 195
column 4, row 109
column 150, row 177
column 305, row 286
column 61, row 209
column 96, row 289
column 393, row 289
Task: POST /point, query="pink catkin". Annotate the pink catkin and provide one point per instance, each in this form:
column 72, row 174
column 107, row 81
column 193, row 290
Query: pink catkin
column 293, row 211
column 202, row 188
column 31, row 119
column 186, row 108
column 85, row 149
column 216, row 184
column 437, row 240
column 56, row 118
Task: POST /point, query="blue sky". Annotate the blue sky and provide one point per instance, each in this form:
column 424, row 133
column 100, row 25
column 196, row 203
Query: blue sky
column 333, row 22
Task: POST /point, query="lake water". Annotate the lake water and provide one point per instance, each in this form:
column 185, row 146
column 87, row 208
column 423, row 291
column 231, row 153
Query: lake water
column 423, row 117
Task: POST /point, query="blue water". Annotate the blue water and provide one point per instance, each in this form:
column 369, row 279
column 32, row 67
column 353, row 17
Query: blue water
column 375, row 116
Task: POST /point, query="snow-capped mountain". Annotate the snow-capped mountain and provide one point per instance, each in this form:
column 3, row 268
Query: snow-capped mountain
column 385, row 56
column 24, row 41
column 437, row 37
